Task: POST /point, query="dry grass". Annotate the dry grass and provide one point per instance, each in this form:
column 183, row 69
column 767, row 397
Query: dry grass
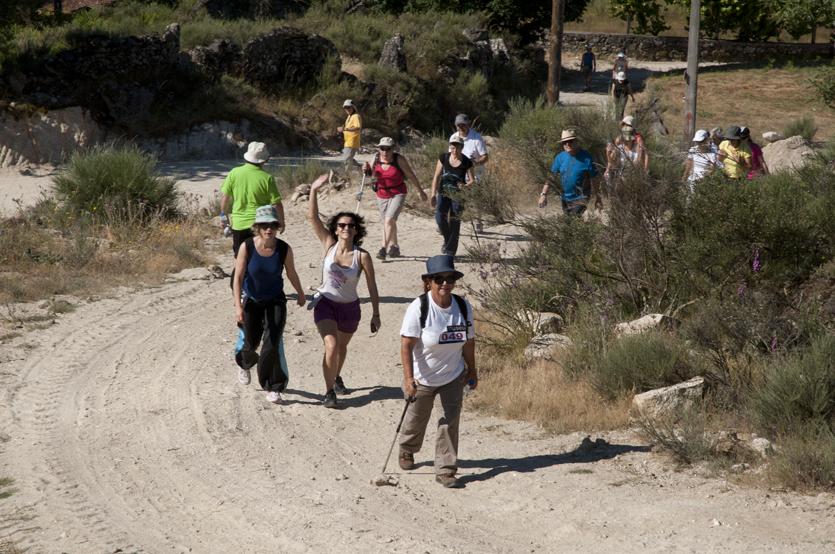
column 763, row 99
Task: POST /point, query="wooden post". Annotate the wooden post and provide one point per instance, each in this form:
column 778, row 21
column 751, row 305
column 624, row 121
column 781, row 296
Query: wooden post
column 557, row 18
column 692, row 75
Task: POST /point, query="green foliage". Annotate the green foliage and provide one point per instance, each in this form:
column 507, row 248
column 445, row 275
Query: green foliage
column 685, row 434
column 805, row 460
column 115, row 181
column 803, row 126
column 647, row 15
column 823, row 85
column 471, row 94
column 802, row 17
column 288, row 177
column 749, row 19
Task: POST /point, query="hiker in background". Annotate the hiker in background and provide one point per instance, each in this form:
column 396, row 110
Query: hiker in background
column 757, row 159
column 700, row 160
column 621, row 66
column 453, row 172
column 336, row 307
column 474, row 149
column 249, row 186
column 588, row 66
column 576, row 168
column 437, row 350
column 351, row 132
column 621, row 89
column 625, row 156
column 391, row 169
column 260, row 303
column 716, row 138
column 734, row 154
column 629, row 121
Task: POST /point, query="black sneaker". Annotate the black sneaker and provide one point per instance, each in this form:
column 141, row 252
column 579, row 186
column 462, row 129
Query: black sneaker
column 394, row 251
column 339, row 386
column 381, row 254
column 330, row 400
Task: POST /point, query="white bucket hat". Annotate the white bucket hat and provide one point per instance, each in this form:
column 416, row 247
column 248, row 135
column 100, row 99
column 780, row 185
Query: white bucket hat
column 621, row 76
column 387, row 141
column 257, row 153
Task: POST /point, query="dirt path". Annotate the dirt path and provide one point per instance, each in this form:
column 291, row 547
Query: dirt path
column 125, row 430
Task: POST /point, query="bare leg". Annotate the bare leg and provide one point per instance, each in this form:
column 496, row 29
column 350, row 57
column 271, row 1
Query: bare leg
column 342, row 350
column 336, row 349
column 390, row 236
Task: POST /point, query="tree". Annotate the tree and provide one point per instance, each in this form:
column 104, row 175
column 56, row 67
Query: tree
column 751, row 20
column 646, row 14
column 802, row 17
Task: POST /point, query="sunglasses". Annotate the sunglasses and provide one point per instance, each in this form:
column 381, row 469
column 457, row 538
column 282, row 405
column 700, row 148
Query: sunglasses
column 272, row 226
column 569, row 142
column 346, row 225
column 441, row 279
column 385, row 148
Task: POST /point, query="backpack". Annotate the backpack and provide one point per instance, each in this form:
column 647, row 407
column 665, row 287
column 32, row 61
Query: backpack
column 424, row 308
column 393, row 164
column 250, row 248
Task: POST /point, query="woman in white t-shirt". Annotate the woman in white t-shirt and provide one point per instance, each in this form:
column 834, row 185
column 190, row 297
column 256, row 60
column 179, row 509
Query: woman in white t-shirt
column 701, row 160
column 437, row 348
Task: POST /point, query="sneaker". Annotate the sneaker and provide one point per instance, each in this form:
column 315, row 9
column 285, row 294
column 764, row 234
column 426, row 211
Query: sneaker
column 479, row 227
column 330, row 400
column 244, row 376
column 448, row 480
column 274, row 396
column 406, row 460
column 339, row 386
column 394, row 251
column 381, row 254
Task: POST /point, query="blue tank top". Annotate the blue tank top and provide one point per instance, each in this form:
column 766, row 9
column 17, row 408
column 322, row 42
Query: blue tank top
column 263, row 280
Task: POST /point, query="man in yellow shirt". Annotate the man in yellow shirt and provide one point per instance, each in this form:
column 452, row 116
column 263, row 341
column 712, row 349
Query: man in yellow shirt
column 735, row 154
column 351, row 131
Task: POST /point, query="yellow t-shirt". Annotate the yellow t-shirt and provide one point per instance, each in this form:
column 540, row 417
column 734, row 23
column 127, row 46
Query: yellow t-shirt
column 733, row 169
column 352, row 139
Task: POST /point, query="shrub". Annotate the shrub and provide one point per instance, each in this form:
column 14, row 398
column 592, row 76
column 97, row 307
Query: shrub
column 804, row 126
column 686, row 435
column 115, row 180
column 288, row 177
column 805, row 460
column 823, row 85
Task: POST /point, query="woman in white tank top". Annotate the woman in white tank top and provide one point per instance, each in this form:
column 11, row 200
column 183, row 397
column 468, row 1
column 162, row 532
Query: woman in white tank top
column 337, row 309
column 624, row 157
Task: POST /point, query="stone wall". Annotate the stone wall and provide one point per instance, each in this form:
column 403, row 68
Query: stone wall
column 639, row 47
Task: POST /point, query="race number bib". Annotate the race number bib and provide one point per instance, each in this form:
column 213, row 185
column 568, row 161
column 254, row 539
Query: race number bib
column 453, row 333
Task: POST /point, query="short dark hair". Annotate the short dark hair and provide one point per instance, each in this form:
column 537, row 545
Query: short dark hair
column 359, row 221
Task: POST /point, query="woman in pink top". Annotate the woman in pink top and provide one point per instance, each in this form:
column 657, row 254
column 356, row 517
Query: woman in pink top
column 757, row 158
column 391, row 170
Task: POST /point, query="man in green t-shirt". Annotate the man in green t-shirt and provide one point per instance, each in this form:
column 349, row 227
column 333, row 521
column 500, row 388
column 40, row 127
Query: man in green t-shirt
column 351, row 131
column 249, row 187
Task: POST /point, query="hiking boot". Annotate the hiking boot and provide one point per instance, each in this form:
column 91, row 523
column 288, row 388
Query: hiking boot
column 330, row 400
column 448, row 480
column 244, row 376
column 394, row 251
column 479, row 227
column 339, row 386
column 406, row 460
column 274, row 396
column 381, row 254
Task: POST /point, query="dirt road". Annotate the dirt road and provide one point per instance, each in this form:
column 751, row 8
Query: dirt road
column 125, row 430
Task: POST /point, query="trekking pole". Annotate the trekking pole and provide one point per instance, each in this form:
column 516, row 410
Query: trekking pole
column 409, row 400
column 359, row 198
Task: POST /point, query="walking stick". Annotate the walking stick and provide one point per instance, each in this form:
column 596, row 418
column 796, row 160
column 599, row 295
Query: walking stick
column 359, row 198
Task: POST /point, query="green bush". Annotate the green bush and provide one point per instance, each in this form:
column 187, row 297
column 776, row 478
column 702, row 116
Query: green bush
column 805, row 460
column 803, row 126
column 685, row 434
column 114, row 180
column 823, row 85
column 288, row 177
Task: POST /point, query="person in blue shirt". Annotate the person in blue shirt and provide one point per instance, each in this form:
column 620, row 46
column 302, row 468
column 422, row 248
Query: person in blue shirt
column 577, row 169
column 589, row 66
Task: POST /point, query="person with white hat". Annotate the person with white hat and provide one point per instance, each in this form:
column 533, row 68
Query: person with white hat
column 629, row 121
column 625, row 156
column 621, row 66
column 474, row 148
column 588, row 66
column 260, row 303
column 249, row 187
column 453, row 172
column 351, row 132
column 621, row 89
column 577, row 169
column 701, row 159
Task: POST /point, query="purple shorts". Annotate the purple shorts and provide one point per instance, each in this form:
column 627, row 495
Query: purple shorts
column 347, row 316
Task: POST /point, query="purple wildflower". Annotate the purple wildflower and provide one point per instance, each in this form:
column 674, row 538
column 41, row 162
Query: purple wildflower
column 756, row 265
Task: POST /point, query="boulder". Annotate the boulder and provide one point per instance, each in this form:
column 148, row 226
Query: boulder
column 665, row 401
column 221, row 56
column 476, row 35
column 651, row 322
column 501, row 53
column 762, row 446
column 129, row 105
column 546, row 346
column 542, row 322
column 285, row 57
column 393, row 55
column 792, row 153
column 771, row 136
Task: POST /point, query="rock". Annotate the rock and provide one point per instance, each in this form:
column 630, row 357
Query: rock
column 392, row 55
column 787, row 154
column 221, row 56
column 217, row 272
column 762, row 446
column 651, row 322
column 128, row 105
column 4, row 437
column 771, row 136
column 542, row 322
column 665, row 401
column 295, row 197
column 476, row 35
column 341, row 477
column 193, row 274
column 303, row 189
column 587, row 444
column 501, row 53
column 545, row 346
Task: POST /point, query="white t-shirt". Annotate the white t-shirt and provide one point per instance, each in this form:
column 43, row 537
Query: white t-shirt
column 702, row 162
column 437, row 356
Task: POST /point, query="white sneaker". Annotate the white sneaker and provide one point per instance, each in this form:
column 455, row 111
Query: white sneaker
column 274, row 396
column 243, row 376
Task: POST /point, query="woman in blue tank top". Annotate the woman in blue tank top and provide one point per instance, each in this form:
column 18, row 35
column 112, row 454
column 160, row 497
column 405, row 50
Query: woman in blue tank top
column 260, row 303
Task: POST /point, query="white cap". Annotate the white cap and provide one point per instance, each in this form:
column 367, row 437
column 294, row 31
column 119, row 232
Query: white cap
column 348, row 104
column 701, row 135
column 621, row 76
column 621, row 55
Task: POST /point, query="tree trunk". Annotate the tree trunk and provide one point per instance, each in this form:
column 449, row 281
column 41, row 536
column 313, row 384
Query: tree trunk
column 628, row 21
column 557, row 18
column 814, row 32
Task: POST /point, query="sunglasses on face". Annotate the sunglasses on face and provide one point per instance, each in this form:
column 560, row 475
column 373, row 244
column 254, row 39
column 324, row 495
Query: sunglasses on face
column 272, row 226
column 385, row 148
column 441, row 279
column 569, row 142
column 346, row 225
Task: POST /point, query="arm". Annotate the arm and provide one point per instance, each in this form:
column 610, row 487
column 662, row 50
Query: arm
column 482, row 160
column 643, row 146
column 407, row 345
column 371, row 282
column 613, row 92
column 318, row 227
column 469, row 358
column 407, row 170
column 594, row 63
column 470, row 178
column 595, row 185
column 279, row 207
column 688, row 168
column 293, row 277
column 435, row 182
column 238, row 283
column 224, row 199
column 629, row 91
column 543, row 198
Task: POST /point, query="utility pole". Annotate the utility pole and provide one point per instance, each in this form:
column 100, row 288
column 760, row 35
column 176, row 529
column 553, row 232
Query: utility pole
column 557, row 18
column 692, row 76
